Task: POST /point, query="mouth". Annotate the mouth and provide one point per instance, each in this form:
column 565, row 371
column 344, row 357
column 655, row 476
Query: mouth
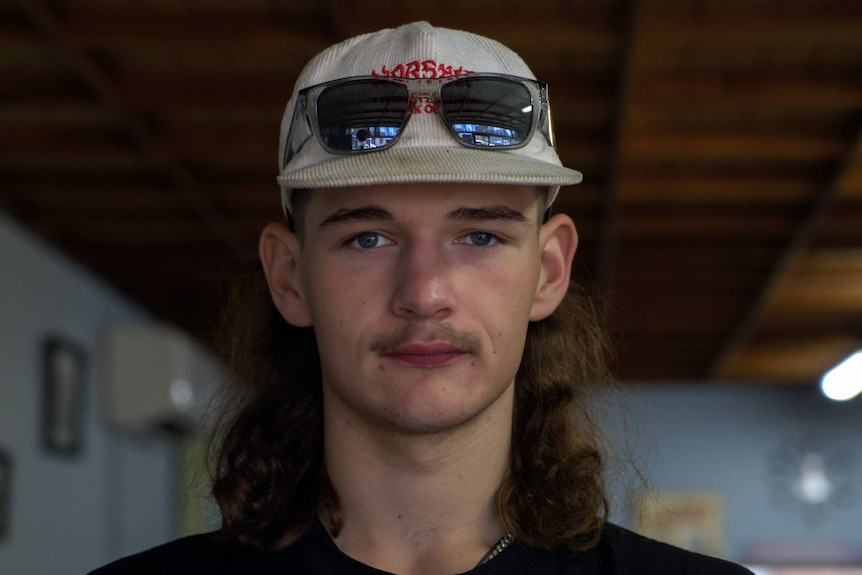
column 430, row 354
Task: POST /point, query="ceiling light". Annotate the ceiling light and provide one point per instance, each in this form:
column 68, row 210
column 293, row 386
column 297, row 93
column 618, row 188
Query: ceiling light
column 844, row 381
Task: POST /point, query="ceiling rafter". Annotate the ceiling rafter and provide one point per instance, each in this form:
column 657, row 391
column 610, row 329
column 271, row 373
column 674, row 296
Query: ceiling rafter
column 49, row 24
column 670, row 31
column 608, row 233
column 705, row 132
column 792, row 253
column 228, row 31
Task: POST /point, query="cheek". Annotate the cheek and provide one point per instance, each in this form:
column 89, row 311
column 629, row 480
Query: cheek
column 506, row 301
column 329, row 288
column 340, row 312
column 509, row 289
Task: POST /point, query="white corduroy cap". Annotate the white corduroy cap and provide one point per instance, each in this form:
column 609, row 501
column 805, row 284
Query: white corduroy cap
column 426, row 152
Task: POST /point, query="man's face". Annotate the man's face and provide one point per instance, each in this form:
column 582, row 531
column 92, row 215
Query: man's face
column 420, row 297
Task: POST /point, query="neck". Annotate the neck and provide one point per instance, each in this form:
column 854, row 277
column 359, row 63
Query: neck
column 420, row 503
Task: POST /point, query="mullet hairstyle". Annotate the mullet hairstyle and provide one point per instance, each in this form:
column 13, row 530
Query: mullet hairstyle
column 266, row 450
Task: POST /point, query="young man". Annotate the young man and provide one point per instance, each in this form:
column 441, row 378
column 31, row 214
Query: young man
column 413, row 368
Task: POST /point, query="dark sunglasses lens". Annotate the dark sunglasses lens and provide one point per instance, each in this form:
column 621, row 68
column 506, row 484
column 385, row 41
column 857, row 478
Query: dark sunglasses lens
column 488, row 112
column 362, row 115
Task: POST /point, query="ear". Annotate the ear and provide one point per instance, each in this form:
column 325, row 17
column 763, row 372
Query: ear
column 280, row 256
column 558, row 240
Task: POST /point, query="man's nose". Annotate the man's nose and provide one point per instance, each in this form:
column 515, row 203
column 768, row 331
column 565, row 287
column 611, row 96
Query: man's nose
column 423, row 279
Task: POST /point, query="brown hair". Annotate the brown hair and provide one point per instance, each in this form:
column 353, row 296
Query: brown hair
column 267, row 464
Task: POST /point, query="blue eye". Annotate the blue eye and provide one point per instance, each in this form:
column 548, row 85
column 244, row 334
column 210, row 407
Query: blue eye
column 367, row 240
column 481, row 238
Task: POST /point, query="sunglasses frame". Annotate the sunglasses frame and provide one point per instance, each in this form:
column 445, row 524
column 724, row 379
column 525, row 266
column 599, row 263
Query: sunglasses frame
column 305, row 121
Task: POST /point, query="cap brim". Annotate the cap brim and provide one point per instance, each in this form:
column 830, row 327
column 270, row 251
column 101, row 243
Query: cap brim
column 429, row 164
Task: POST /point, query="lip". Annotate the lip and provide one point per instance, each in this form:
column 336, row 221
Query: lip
column 433, row 354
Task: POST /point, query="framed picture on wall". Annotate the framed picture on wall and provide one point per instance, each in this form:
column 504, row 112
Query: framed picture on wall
column 64, row 365
column 5, row 492
column 691, row 520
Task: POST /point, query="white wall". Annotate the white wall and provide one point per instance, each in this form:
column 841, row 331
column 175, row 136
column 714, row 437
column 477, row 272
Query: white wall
column 70, row 514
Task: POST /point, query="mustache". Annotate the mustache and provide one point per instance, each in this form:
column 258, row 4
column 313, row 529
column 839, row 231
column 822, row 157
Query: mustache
column 390, row 341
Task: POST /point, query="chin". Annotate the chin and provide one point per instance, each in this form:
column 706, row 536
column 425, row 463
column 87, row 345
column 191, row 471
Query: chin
column 448, row 416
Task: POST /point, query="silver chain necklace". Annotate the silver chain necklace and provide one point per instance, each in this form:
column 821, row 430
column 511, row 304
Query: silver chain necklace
column 504, row 542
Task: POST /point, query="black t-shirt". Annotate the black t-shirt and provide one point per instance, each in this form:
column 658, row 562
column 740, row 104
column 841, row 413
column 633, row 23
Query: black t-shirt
column 620, row 552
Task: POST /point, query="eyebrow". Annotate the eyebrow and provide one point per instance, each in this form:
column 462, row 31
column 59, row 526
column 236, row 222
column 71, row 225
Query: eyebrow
column 488, row 213
column 375, row 213
column 370, row 213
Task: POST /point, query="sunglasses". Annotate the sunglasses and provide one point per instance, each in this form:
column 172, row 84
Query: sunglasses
column 369, row 113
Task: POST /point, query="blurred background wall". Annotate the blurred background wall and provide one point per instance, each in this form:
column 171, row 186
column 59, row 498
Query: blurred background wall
column 746, row 445
column 70, row 513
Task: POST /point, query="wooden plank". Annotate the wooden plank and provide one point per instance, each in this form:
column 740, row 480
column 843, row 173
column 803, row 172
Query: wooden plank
column 174, row 89
column 78, row 163
column 741, row 229
column 800, row 361
column 56, row 112
column 782, row 93
column 665, row 280
column 250, row 33
column 819, row 171
column 803, row 235
column 729, row 189
column 608, row 235
column 831, row 261
column 816, row 294
column 787, row 122
column 842, row 227
column 739, row 147
column 78, row 198
column 670, row 31
column 45, row 19
column 129, row 230
column 686, row 258
column 41, row 85
column 810, row 326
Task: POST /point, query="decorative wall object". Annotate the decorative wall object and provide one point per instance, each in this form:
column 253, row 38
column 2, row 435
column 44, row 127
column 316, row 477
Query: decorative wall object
column 691, row 520
column 64, row 365
column 5, row 492
column 814, row 477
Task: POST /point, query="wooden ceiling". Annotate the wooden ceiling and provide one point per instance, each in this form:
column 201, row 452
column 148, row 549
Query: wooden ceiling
column 721, row 142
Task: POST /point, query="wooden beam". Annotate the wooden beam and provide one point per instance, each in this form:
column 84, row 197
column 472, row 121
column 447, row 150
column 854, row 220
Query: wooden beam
column 737, row 147
column 215, row 33
column 740, row 230
column 799, row 360
column 104, row 162
column 608, row 235
column 816, row 294
column 74, row 197
column 686, row 257
column 69, row 112
column 794, row 251
column 667, row 31
column 708, row 91
column 726, row 189
column 106, row 91
column 129, row 230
